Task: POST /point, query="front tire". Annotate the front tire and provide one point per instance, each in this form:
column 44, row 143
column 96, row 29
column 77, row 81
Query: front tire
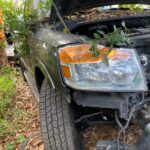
column 57, row 123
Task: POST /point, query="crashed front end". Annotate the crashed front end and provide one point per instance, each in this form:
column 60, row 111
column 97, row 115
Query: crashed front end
column 117, row 84
column 117, row 79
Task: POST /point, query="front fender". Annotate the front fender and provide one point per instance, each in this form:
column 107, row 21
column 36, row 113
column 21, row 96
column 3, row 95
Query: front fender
column 48, row 42
column 50, row 80
column 45, row 72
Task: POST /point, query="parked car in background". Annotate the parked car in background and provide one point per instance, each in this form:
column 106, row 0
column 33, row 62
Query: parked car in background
column 10, row 49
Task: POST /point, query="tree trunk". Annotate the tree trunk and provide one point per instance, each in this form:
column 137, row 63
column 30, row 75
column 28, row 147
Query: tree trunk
column 3, row 56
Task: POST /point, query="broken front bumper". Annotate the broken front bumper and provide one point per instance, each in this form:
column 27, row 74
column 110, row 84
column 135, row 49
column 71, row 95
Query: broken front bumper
column 116, row 101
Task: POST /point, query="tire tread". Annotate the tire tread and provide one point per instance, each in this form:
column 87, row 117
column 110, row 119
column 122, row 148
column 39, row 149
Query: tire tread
column 58, row 129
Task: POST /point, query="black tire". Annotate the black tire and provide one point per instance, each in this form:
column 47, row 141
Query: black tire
column 57, row 123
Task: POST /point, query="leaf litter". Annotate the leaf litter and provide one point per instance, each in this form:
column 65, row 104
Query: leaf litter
column 27, row 135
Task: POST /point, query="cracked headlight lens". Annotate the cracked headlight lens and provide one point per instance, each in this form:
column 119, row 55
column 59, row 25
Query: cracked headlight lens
column 85, row 72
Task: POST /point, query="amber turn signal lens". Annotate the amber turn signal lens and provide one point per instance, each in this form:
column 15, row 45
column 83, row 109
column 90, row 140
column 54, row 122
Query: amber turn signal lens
column 66, row 71
column 82, row 54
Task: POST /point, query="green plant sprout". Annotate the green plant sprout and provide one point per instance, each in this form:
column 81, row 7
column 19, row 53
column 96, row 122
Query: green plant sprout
column 117, row 38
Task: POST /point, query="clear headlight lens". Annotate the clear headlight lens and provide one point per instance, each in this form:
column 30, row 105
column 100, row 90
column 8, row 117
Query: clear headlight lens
column 84, row 72
column 123, row 73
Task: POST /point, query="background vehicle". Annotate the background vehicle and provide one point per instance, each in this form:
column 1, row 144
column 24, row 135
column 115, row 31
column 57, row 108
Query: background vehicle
column 74, row 93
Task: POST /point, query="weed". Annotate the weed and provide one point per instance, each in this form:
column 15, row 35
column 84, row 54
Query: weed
column 21, row 139
column 4, row 127
column 12, row 145
column 7, row 92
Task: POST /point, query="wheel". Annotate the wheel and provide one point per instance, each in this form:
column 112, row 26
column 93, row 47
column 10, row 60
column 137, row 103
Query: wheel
column 57, row 123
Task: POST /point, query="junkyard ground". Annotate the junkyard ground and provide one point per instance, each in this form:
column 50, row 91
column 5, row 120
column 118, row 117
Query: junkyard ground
column 30, row 125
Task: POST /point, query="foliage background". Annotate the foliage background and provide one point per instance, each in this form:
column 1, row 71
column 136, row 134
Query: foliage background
column 2, row 35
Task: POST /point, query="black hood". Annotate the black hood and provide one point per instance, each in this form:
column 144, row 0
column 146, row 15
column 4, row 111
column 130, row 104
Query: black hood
column 66, row 6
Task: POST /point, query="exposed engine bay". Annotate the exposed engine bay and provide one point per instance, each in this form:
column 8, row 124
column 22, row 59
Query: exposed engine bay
column 139, row 33
column 94, row 107
column 140, row 41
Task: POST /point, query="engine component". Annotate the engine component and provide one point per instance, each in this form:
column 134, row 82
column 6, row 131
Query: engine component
column 145, row 61
column 122, row 102
column 143, row 116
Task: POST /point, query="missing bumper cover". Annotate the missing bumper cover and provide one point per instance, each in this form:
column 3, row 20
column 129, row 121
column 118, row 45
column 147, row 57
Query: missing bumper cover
column 120, row 101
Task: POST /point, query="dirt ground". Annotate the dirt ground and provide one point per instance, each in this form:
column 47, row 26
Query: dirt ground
column 26, row 119
column 109, row 132
column 31, row 127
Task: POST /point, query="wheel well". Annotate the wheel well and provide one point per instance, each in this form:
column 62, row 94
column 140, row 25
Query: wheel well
column 39, row 77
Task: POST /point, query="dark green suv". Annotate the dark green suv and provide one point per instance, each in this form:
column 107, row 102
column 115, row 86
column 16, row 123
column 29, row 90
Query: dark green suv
column 79, row 80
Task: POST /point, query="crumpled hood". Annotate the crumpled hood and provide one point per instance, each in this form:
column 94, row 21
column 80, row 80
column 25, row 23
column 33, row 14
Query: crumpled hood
column 66, row 6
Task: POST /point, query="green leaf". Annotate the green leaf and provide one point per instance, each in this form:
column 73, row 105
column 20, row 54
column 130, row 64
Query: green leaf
column 101, row 32
column 94, row 48
column 97, row 36
column 65, row 30
column 11, row 146
column 124, row 26
column 116, row 38
column 21, row 139
column 96, row 53
column 115, row 28
column 106, row 60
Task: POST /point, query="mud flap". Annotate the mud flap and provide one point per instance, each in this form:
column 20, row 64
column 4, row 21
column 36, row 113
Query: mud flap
column 142, row 144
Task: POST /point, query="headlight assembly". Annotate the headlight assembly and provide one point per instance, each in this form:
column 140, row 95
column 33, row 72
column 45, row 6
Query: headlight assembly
column 82, row 71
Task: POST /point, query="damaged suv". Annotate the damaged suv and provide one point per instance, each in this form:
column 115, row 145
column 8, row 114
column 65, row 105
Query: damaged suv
column 79, row 80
